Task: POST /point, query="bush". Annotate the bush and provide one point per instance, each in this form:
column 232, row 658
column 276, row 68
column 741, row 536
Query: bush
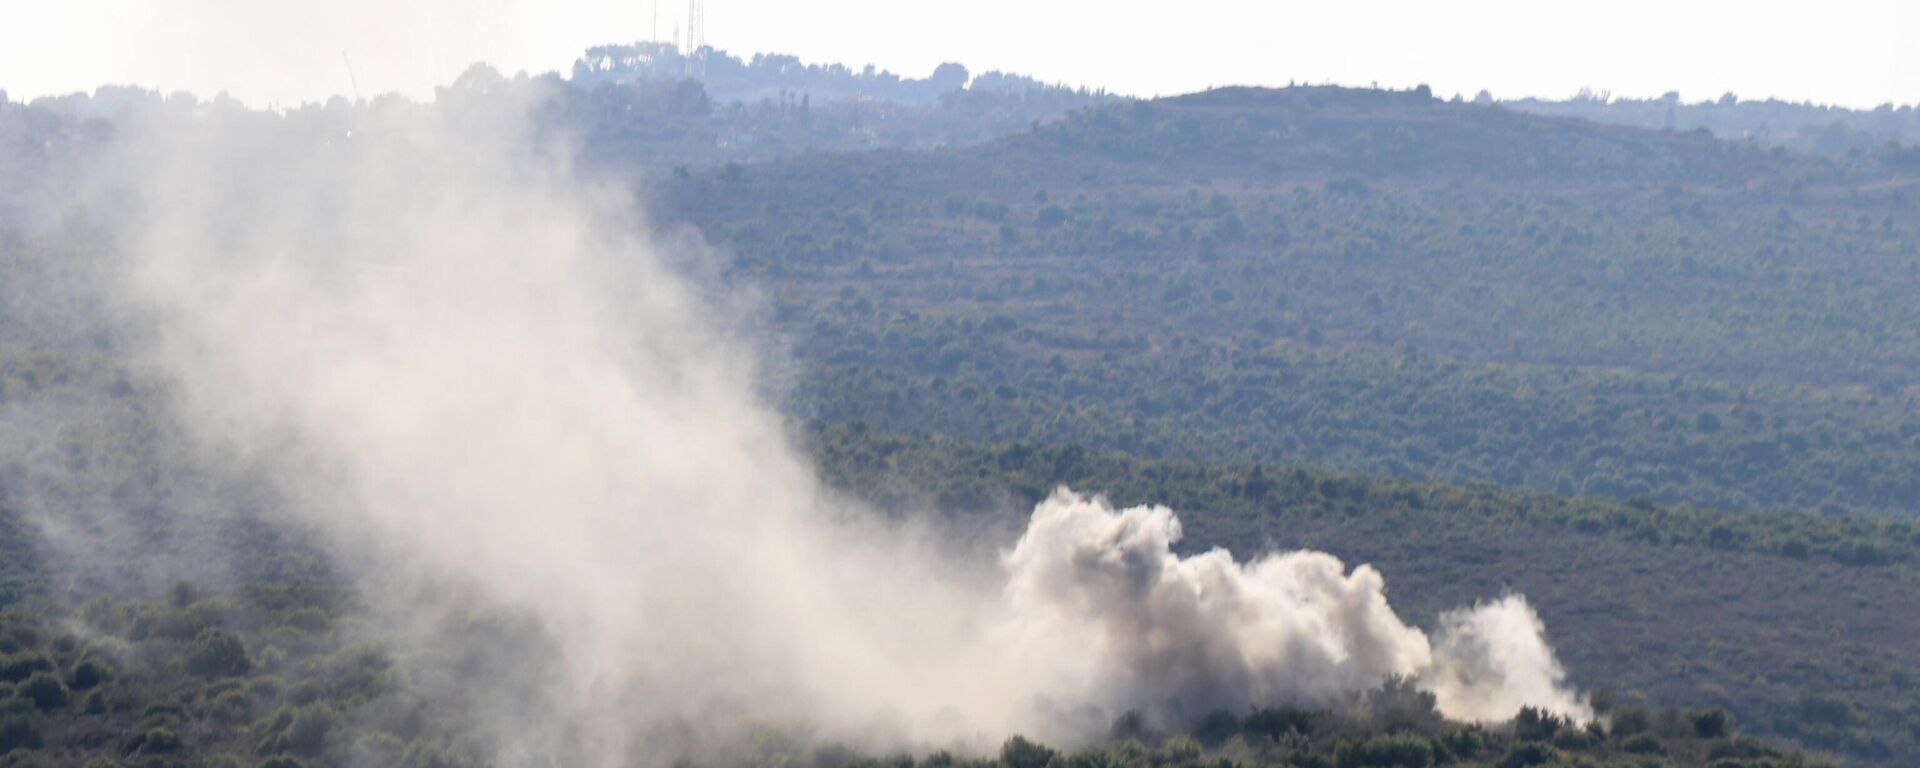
column 19, row 730
column 88, row 673
column 1403, row 751
column 1465, row 742
column 1711, row 724
column 1643, row 744
column 1182, row 751
column 45, row 691
column 1018, row 752
column 95, row 703
column 1215, row 729
column 1526, row 754
column 1631, row 721
column 216, row 653
column 15, row 667
column 231, row 707
column 1275, row 723
column 154, row 741
column 1533, row 724
column 1572, row 739
column 307, row 734
column 309, row 620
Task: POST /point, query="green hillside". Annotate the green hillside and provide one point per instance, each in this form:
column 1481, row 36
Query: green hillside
column 1369, row 281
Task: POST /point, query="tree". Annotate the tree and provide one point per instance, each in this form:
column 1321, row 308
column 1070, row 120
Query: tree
column 949, row 77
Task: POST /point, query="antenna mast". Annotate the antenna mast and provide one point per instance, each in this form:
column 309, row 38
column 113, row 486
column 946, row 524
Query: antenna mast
column 696, row 38
column 355, row 81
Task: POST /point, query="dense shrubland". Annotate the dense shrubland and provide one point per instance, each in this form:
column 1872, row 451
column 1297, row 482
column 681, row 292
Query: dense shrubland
column 283, row 676
column 1366, row 281
column 1798, row 625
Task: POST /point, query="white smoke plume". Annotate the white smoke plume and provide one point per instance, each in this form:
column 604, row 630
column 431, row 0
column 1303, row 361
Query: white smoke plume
column 1188, row 636
column 478, row 376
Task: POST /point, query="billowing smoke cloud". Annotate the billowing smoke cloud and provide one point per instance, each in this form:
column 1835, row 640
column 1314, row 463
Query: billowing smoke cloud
column 1186, row 636
column 478, row 377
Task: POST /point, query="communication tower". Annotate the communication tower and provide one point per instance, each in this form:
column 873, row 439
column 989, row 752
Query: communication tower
column 696, row 38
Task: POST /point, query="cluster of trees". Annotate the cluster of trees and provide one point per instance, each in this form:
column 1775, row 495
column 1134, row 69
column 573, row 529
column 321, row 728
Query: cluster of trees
column 268, row 676
column 1669, row 438
column 762, row 77
column 628, row 115
column 283, row 676
column 1800, row 126
column 1393, row 728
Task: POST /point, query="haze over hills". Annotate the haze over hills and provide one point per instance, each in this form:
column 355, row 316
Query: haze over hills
column 1659, row 381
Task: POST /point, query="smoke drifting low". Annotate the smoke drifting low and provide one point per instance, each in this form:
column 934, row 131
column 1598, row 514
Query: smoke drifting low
column 481, row 380
column 1131, row 625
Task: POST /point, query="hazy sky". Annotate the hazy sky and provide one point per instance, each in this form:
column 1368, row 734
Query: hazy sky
column 1853, row 52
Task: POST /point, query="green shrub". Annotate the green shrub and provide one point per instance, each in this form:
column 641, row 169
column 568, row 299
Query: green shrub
column 307, row 734
column 216, row 653
column 1181, row 751
column 1275, row 723
column 1466, row 742
column 164, row 624
column 154, row 741
column 1711, row 724
column 15, row 667
column 1572, row 739
column 1631, row 721
column 1526, row 754
column 1643, row 744
column 1018, row 752
column 1215, row 729
column 45, row 691
column 1401, row 751
column 1534, row 724
column 308, row 620
column 19, row 730
column 231, row 707
column 88, row 673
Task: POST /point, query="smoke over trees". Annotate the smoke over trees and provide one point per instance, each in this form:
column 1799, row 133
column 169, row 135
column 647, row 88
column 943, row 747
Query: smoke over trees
column 486, row 390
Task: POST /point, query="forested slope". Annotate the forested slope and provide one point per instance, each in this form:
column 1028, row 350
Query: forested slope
column 1363, row 280
column 1680, row 607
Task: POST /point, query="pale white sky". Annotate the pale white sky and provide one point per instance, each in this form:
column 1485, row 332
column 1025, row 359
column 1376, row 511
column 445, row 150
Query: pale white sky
column 1852, row 52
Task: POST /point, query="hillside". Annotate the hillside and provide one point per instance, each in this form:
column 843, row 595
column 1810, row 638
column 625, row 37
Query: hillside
column 1361, row 280
column 1651, row 608
column 1681, row 607
column 286, row 677
column 1659, row 383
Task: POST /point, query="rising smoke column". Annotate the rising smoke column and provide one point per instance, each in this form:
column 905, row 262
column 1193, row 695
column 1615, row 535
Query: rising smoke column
column 479, row 378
